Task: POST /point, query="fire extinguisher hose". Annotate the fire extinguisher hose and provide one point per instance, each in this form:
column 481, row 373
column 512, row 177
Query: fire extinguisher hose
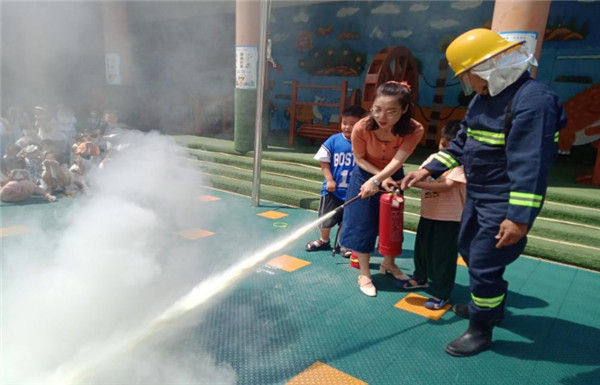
column 340, row 208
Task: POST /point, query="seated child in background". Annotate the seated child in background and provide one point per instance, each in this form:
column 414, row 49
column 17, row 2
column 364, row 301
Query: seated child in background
column 19, row 188
column 33, row 155
column 337, row 160
column 11, row 159
column 78, row 181
column 55, row 176
column 436, row 243
column 88, row 152
column 29, row 137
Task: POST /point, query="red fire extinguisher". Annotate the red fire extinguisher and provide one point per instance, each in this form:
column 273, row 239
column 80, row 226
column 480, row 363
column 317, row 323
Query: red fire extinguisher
column 391, row 223
column 354, row 261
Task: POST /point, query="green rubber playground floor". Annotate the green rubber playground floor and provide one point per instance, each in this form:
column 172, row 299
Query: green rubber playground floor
column 301, row 319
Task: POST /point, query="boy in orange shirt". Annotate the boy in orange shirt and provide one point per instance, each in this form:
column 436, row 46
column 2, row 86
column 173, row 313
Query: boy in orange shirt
column 436, row 243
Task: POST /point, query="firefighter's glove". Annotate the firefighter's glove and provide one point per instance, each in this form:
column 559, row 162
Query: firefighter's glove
column 510, row 233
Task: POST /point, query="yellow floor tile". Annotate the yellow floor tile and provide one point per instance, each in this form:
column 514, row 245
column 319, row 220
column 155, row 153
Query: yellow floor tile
column 461, row 261
column 208, row 198
column 288, row 263
column 323, row 374
column 12, row 230
column 414, row 304
column 271, row 214
column 194, row 234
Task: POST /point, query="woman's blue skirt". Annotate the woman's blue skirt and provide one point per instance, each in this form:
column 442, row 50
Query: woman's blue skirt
column 360, row 225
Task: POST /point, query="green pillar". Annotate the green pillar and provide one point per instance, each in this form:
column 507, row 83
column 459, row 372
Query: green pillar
column 247, row 30
column 118, row 91
column 245, row 118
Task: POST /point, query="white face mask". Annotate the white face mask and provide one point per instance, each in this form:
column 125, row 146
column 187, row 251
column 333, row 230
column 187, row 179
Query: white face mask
column 466, row 85
column 502, row 70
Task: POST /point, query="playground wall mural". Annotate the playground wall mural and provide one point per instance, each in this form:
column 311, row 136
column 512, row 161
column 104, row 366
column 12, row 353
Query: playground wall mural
column 325, row 44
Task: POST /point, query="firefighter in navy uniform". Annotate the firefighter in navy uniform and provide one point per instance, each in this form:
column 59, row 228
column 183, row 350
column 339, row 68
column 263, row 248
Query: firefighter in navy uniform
column 507, row 143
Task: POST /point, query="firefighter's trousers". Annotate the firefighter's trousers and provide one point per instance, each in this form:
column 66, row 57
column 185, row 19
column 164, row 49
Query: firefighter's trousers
column 484, row 210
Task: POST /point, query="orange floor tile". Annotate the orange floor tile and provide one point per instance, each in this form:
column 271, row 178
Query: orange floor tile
column 288, row 263
column 322, row 374
column 414, row 303
column 12, row 230
column 208, row 198
column 194, row 234
column 271, row 214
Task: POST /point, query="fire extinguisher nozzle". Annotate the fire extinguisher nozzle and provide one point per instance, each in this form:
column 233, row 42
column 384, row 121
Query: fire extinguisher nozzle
column 343, row 206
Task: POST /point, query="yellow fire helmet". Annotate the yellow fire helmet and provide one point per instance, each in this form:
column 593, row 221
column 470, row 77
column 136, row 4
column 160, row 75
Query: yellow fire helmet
column 474, row 47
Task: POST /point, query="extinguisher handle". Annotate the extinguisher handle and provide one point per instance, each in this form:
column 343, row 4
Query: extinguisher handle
column 396, row 191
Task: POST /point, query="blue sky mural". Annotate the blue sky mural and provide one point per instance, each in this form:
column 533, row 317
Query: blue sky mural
column 364, row 27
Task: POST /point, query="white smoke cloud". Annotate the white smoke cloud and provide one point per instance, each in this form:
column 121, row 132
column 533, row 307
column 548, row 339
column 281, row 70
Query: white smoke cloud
column 152, row 367
column 462, row 5
column 346, row 11
column 386, row 8
column 443, row 23
column 106, row 267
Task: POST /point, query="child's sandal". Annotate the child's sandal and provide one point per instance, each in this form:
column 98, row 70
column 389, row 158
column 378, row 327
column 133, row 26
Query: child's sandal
column 435, row 304
column 319, row 244
column 406, row 284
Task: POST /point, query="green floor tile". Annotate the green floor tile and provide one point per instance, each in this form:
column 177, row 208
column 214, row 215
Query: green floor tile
column 273, row 324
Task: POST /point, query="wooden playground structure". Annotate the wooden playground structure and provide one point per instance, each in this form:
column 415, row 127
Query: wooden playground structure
column 390, row 63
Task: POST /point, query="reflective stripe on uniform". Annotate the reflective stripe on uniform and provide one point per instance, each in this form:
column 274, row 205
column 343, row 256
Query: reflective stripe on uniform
column 525, row 199
column 446, row 159
column 556, row 137
column 488, row 137
column 487, row 302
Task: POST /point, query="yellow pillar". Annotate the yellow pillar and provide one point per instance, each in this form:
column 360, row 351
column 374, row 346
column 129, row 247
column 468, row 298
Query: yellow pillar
column 522, row 19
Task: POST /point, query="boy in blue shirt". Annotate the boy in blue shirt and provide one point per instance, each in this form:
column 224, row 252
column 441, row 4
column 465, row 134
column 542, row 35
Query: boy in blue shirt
column 337, row 160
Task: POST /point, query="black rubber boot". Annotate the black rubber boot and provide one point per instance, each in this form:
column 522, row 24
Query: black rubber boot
column 476, row 339
column 462, row 310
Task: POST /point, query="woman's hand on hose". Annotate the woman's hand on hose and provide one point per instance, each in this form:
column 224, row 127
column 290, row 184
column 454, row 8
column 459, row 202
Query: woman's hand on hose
column 369, row 188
